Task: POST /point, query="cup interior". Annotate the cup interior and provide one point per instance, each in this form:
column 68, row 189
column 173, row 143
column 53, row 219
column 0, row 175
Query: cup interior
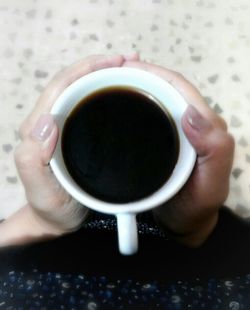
column 170, row 101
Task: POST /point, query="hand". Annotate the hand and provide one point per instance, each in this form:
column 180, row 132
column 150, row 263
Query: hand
column 192, row 214
column 50, row 209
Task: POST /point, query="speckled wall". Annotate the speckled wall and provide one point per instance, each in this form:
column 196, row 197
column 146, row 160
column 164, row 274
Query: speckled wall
column 208, row 41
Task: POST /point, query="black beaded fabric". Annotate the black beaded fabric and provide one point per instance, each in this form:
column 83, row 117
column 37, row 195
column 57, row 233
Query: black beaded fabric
column 84, row 270
column 145, row 225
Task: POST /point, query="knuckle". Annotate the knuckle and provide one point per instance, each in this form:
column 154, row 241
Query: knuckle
column 23, row 130
column 228, row 143
column 225, row 144
column 23, row 158
column 179, row 75
column 222, row 123
column 231, row 142
column 58, row 76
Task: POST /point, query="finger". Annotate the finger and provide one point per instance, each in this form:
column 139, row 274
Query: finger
column 215, row 149
column 132, row 57
column 63, row 79
column 32, row 157
column 185, row 88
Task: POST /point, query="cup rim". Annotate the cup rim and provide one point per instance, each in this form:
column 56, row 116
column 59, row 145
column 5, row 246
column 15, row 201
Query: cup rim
column 129, row 76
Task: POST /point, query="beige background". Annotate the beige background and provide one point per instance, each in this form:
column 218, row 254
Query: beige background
column 208, row 41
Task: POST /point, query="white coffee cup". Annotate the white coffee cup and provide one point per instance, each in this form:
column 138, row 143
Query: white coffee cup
column 170, row 100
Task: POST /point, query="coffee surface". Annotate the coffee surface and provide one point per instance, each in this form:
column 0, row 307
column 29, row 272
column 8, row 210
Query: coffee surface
column 119, row 146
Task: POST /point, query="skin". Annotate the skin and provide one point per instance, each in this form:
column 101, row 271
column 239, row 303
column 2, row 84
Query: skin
column 51, row 212
column 193, row 213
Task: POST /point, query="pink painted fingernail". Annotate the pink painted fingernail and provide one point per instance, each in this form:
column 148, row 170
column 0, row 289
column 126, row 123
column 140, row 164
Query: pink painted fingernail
column 196, row 119
column 43, row 127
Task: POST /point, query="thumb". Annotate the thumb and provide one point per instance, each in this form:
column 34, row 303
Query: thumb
column 44, row 135
column 198, row 129
column 32, row 157
column 215, row 149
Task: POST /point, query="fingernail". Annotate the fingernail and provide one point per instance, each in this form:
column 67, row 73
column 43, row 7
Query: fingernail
column 196, row 120
column 43, row 127
column 132, row 56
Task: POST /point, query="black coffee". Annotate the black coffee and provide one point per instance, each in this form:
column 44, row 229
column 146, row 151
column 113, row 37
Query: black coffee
column 119, row 146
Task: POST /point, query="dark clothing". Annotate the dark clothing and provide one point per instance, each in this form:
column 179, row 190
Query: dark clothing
column 84, row 270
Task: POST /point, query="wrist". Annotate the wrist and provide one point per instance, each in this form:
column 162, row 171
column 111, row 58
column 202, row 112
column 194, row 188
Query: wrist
column 42, row 226
column 66, row 219
column 22, row 228
column 201, row 234
column 193, row 235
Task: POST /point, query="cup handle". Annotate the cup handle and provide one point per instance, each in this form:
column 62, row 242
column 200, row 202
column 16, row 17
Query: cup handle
column 127, row 233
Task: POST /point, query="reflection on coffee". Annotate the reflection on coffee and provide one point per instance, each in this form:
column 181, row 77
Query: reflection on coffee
column 118, row 145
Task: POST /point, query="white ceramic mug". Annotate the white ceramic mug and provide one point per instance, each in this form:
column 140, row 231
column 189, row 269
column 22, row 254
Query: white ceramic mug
column 169, row 100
